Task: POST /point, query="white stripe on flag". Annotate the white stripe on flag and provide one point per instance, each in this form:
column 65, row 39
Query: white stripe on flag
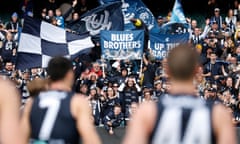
column 52, row 33
column 30, row 44
column 78, row 45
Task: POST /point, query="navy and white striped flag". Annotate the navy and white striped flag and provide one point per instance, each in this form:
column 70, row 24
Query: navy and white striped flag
column 40, row 41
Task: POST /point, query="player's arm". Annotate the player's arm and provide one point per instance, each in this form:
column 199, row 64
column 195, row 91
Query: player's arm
column 25, row 123
column 222, row 124
column 141, row 125
column 9, row 113
column 81, row 111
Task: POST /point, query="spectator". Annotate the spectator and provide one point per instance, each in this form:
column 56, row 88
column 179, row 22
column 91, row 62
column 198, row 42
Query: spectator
column 8, row 69
column 198, row 36
column 94, row 103
column 115, row 88
column 13, row 25
column 213, row 70
column 22, row 82
column 235, row 9
column 231, row 20
column 217, row 18
column 158, row 90
column 231, row 87
column 113, row 119
column 50, row 15
column 132, row 111
column 96, row 69
column 194, row 24
column 121, row 77
column 160, row 21
column 111, row 101
column 148, row 70
column 212, row 4
column 8, row 50
column 44, row 14
column 147, row 96
column 61, row 17
column 237, row 52
column 129, row 92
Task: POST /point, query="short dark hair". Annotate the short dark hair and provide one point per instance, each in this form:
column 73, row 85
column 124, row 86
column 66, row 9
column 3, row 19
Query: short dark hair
column 182, row 61
column 58, row 68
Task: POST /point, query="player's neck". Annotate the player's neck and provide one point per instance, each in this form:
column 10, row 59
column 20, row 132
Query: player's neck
column 60, row 85
column 179, row 87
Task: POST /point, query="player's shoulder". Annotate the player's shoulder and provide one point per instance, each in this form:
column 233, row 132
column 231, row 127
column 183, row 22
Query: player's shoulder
column 78, row 96
column 219, row 110
column 222, row 124
column 147, row 111
column 79, row 100
column 8, row 89
column 6, row 83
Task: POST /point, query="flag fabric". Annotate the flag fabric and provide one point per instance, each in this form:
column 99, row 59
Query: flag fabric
column 40, row 41
column 135, row 9
column 104, row 17
column 177, row 13
column 161, row 44
column 122, row 44
column 107, row 1
column 177, row 23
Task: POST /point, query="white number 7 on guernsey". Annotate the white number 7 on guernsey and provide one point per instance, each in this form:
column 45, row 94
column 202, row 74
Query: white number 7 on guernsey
column 52, row 106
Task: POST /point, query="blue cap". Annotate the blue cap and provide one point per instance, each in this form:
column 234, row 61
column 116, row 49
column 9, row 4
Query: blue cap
column 14, row 14
column 160, row 17
column 29, row 13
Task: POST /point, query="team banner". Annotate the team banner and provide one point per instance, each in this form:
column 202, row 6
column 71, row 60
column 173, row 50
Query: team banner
column 122, row 44
column 160, row 44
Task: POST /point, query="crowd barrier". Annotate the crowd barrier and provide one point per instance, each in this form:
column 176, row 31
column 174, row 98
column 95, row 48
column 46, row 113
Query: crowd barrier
column 120, row 132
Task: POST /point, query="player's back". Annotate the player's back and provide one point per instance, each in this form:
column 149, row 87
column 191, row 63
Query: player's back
column 51, row 119
column 183, row 120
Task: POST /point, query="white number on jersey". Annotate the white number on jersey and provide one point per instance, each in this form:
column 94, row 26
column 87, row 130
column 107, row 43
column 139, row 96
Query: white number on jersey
column 197, row 130
column 53, row 106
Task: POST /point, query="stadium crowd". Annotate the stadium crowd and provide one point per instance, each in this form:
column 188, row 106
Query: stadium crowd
column 115, row 88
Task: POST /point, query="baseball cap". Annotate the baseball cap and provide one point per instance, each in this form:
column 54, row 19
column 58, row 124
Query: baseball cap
column 216, row 9
column 157, row 82
column 160, row 17
column 14, row 14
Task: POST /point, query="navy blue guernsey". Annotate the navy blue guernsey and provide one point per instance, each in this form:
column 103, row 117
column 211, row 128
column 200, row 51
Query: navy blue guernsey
column 51, row 119
column 183, row 119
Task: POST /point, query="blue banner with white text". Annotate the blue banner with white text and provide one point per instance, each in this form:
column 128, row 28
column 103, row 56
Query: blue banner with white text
column 122, row 44
column 160, row 44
